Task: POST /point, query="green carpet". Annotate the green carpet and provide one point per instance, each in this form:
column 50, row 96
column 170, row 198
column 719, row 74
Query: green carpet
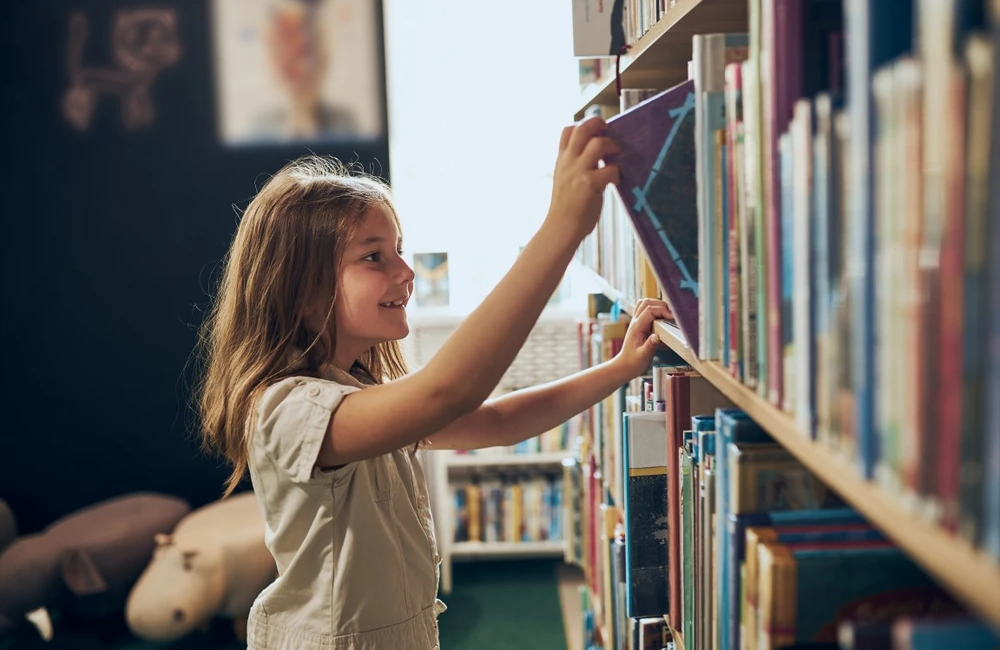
column 502, row 604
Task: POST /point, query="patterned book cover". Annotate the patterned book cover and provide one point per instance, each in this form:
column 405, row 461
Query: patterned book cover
column 659, row 190
column 646, row 525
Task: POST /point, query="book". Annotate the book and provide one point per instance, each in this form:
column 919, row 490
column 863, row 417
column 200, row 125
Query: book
column 658, row 187
column 646, row 524
column 916, row 633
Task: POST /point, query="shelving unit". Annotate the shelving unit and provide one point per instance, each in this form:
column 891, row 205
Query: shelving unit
column 555, row 548
column 545, row 458
column 659, row 58
column 548, row 353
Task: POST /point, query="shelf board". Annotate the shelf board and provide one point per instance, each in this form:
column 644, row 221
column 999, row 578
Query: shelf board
column 506, row 460
column 659, row 58
column 507, row 549
column 968, row 573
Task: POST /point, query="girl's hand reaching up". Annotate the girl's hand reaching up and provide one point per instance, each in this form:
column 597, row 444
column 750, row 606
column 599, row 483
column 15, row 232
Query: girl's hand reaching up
column 579, row 178
column 641, row 341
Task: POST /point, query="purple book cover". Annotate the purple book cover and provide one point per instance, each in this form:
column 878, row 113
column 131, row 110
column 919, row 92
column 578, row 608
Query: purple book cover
column 657, row 165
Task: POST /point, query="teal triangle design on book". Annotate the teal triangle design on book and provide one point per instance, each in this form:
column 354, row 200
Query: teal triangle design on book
column 659, row 189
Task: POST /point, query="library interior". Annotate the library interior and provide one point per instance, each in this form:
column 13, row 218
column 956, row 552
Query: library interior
column 809, row 460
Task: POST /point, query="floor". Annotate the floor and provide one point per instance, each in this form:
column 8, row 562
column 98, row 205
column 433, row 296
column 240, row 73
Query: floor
column 529, row 605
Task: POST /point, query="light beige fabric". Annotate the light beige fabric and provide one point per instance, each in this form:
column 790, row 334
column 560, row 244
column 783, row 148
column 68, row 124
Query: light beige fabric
column 357, row 560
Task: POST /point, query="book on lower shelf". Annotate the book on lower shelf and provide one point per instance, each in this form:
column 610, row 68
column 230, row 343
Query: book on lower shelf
column 502, row 508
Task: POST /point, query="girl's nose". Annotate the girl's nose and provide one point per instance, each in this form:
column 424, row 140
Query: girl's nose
column 406, row 273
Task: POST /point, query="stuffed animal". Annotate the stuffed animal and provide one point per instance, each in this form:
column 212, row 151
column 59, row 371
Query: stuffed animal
column 213, row 566
column 94, row 553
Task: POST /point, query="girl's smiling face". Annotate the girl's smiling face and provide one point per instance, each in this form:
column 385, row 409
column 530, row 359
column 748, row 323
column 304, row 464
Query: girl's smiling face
column 375, row 285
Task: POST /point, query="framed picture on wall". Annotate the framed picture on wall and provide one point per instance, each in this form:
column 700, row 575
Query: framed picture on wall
column 298, row 70
column 430, row 281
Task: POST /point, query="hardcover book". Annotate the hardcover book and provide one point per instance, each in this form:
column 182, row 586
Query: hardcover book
column 658, row 186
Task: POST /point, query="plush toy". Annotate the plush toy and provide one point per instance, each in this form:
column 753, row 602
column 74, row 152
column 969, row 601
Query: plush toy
column 95, row 553
column 213, row 566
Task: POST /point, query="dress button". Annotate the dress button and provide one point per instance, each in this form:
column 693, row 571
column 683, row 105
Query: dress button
column 314, row 391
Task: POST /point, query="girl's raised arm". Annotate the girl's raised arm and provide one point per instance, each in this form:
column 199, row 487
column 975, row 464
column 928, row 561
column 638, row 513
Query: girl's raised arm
column 471, row 362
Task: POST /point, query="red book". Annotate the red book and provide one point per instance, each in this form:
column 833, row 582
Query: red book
column 949, row 439
column 688, row 394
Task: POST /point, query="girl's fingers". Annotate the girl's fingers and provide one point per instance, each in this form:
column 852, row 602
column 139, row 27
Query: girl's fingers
column 584, row 132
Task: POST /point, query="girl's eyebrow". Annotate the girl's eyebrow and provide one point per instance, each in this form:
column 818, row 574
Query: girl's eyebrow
column 374, row 239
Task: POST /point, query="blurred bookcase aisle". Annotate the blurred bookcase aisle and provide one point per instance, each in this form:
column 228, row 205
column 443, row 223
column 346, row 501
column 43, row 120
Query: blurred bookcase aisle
column 504, row 502
column 816, row 456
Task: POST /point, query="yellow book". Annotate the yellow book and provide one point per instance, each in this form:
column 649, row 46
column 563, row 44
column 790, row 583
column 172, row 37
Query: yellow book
column 776, row 606
column 474, row 496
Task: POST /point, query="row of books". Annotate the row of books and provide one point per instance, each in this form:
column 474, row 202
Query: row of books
column 508, row 509
column 603, row 28
column 690, row 511
column 837, row 164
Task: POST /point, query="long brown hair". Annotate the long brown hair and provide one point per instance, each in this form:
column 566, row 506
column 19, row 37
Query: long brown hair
column 286, row 252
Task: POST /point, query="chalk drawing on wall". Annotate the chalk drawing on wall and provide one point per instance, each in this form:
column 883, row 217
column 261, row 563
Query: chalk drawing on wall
column 144, row 42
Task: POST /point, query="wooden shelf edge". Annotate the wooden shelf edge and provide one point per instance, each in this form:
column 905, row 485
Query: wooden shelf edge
column 968, row 573
column 603, row 90
column 502, row 460
column 477, row 549
column 674, row 15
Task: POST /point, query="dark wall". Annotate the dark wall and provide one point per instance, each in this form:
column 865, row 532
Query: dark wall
column 111, row 240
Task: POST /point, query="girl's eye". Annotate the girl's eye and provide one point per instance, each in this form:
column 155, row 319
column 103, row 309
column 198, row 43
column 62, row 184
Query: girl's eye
column 372, row 257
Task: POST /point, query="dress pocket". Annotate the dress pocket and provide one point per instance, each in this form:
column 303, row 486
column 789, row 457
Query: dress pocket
column 383, row 478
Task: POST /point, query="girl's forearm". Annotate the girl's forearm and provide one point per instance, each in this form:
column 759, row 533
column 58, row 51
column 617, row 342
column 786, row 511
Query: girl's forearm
column 473, row 359
column 532, row 411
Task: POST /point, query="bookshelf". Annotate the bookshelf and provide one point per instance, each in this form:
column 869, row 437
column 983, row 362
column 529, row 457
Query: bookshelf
column 659, row 58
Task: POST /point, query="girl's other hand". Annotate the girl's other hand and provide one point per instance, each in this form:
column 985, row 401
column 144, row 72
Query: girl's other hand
column 580, row 178
column 641, row 341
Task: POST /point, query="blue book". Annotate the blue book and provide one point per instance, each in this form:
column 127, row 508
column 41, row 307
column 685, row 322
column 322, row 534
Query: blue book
column 786, row 218
column 933, row 634
column 876, row 33
column 731, row 425
column 991, row 482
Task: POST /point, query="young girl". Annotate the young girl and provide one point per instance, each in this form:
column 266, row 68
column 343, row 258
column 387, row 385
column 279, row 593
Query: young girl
column 305, row 388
